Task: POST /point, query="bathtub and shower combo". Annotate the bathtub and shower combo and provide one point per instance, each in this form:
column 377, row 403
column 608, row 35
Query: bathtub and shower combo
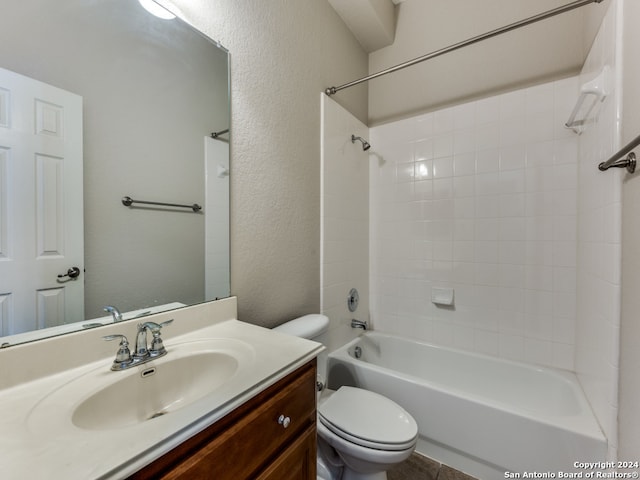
column 489, row 417
column 486, row 416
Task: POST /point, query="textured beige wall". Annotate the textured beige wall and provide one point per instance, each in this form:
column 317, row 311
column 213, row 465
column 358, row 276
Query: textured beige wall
column 283, row 54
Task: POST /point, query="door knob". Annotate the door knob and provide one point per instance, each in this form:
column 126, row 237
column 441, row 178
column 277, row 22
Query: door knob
column 73, row 272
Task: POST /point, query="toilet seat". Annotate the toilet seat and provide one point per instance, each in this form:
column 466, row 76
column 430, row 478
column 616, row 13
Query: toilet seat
column 368, row 419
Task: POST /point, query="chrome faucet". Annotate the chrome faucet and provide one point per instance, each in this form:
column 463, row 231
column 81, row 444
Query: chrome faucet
column 124, row 359
column 359, row 324
column 157, row 347
column 115, row 313
column 141, row 351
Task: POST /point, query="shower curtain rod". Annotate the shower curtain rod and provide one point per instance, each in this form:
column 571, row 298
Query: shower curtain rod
column 493, row 33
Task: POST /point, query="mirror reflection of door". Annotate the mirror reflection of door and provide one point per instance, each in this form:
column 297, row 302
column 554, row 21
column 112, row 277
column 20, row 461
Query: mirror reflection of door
column 41, row 281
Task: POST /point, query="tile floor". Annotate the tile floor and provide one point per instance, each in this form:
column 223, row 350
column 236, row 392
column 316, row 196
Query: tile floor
column 418, row 467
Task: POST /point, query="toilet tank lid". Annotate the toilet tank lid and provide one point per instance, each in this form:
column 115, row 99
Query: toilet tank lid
column 308, row 326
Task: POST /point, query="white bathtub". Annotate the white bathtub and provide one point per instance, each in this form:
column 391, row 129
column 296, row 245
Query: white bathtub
column 482, row 415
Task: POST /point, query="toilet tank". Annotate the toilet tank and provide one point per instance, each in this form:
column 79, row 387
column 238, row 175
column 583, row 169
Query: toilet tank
column 313, row 327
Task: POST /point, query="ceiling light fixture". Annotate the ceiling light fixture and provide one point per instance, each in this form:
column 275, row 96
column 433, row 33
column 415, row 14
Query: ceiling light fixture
column 156, row 9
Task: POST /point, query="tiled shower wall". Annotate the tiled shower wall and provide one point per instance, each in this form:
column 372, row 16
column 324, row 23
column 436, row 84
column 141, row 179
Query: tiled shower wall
column 599, row 237
column 480, row 197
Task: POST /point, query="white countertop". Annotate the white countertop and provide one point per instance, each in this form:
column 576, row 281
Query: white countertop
column 56, row 448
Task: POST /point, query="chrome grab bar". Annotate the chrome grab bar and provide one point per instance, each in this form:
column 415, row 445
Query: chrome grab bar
column 616, row 160
column 128, row 201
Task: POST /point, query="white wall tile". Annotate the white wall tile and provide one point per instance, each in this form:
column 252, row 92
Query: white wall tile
column 537, row 351
column 512, row 104
column 512, row 276
column 487, row 273
column 488, row 110
column 442, row 167
column 487, row 160
column 423, row 126
column 442, row 188
column 488, row 136
column 511, row 346
column 598, row 254
column 463, row 186
column 513, row 157
column 487, row 205
column 345, row 232
column 443, row 145
column 489, row 208
column 512, row 181
column 443, row 121
column 464, row 164
column 486, row 251
column 542, row 154
column 486, row 342
column 464, row 141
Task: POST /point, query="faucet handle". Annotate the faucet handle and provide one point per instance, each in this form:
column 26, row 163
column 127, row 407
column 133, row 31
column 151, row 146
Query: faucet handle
column 123, row 355
column 155, row 327
column 157, row 347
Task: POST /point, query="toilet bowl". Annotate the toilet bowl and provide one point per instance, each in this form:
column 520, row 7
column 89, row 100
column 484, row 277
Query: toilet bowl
column 361, row 434
column 368, row 431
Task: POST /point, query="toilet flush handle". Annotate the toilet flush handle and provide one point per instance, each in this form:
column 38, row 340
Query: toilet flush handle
column 284, row 421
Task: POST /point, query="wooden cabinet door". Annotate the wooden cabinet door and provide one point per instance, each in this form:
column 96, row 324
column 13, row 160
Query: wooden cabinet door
column 298, row 462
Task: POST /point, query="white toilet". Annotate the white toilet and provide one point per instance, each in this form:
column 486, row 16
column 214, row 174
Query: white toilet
column 361, row 434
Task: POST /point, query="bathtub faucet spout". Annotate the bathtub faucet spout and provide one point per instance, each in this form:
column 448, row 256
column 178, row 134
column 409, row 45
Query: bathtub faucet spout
column 359, row 324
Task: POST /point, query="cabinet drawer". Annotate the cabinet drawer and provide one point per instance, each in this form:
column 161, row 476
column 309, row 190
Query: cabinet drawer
column 259, row 437
column 247, row 440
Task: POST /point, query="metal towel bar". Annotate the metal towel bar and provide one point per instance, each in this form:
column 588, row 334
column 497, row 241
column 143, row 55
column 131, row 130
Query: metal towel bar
column 217, row 134
column 128, row 201
column 617, row 161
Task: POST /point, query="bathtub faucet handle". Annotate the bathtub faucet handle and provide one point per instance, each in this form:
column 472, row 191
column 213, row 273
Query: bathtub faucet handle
column 359, row 324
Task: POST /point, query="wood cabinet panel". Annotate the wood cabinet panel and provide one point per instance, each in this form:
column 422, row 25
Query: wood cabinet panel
column 297, row 462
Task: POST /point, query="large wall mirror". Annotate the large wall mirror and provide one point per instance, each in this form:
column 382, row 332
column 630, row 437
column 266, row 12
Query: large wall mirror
column 100, row 100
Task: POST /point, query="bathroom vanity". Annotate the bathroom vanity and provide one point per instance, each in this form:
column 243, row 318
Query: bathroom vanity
column 272, row 436
column 229, row 400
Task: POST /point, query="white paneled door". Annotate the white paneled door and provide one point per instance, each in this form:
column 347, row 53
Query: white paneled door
column 41, row 214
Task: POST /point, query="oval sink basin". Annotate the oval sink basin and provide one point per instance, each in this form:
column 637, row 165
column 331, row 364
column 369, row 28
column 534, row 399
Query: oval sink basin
column 105, row 400
column 154, row 391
